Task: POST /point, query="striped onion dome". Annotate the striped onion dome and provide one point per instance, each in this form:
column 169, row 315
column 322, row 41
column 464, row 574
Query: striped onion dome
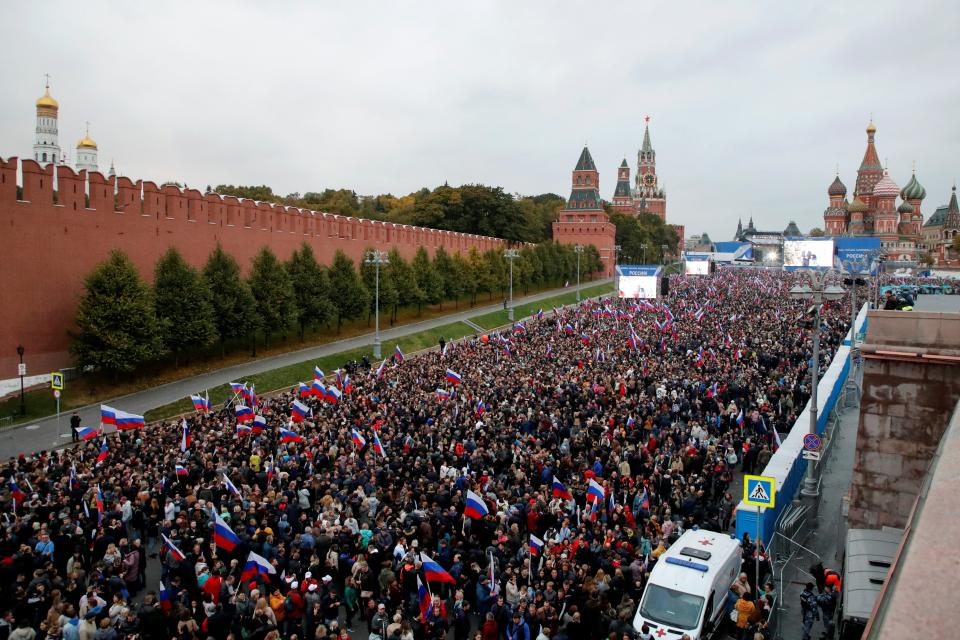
column 886, row 188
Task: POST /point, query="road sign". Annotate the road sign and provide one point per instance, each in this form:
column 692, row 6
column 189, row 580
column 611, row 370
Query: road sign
column 811, row 455
column 22, row 369
column 56, row 381
column 56, row 393
column 760, row 491
column 811, row 442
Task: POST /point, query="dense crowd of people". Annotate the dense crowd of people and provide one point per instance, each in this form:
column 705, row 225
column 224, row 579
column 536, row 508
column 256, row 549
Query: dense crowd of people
column 353, row 508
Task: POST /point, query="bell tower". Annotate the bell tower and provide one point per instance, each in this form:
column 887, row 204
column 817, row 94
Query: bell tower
column 649, row 197
column 46, row 148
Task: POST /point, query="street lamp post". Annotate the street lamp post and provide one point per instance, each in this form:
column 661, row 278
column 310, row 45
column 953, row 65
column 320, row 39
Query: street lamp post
column 578, row 250
column 376, row 258
column 21, row 370
column 643, row 246
column 616, row 262
column 817, row 292
column 511, row 255
column 663, row 253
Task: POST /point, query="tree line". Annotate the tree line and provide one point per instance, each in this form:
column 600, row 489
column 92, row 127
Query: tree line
column 469, row 208
column 122, row 322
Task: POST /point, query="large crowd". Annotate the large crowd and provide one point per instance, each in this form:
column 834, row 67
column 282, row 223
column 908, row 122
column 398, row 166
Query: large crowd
column 660, row 403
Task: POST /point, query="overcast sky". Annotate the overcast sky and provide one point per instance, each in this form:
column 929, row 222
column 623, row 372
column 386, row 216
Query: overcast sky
column 752, row 105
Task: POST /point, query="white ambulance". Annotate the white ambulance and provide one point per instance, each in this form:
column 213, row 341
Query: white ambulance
column 688, row 587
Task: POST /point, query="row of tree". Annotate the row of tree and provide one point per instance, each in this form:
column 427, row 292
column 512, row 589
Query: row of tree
column 123, row 322
column 469, row 208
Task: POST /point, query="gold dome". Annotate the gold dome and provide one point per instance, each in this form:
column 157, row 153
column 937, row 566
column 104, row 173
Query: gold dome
column 86, row 143
column 871, row 128
column 46, row 100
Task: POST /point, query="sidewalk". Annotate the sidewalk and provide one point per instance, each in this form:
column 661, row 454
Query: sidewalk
column 46, row 434
column 828, row 539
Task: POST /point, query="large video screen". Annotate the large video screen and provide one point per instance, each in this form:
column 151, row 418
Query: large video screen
column 808, row 253
column 638, row 287
column 697, row 267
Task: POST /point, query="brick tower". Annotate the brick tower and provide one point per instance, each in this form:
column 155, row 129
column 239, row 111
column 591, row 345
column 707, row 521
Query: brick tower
column 622, row 196
column 583, row 220
column 649, row 197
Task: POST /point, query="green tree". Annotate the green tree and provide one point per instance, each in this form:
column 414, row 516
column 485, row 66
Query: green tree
column 273, row 290
column 261, row 192
column 404, row 282
column 234, row 311
column 116, row 324
column 311, row 289
column 183, row 305
column 480, row 274
column 430, row 285
column 443, row 269
column 460, row 283
column 348, row 295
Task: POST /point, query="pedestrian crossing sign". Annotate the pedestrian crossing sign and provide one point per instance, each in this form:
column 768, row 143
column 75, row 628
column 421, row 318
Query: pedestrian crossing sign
column 759, row 491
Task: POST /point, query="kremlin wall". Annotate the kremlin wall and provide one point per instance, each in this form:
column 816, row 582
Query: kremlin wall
column 51, row 243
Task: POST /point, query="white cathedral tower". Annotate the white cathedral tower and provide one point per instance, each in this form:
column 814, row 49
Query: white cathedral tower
column 46, row 148
column 87, row 153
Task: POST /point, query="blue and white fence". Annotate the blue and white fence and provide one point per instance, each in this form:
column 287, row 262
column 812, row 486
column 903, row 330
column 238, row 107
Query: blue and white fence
column 787, row 465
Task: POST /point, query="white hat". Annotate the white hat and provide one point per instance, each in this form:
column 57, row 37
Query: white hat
column 294, row 584
column 312, row 587
column 308, row 575
column 327, row 579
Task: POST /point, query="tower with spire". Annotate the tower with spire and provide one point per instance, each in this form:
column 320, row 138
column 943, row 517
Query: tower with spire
column 649, row 196
column 46, row 146
column 622, row 194
column 87, row 153
column 583, row 220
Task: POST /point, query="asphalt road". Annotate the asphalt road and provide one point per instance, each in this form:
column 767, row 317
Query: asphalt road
column 46, row 434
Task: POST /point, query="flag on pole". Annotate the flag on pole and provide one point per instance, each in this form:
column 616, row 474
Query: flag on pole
column 595, row 491
column 223, row 535
column 120, row 419
column 560, row 491
column 377, row 446
column 380, row 368
column 433, row 572
column 166, row 602
column 172, row 548
column 304, row 390
column 232, row 488
column 491, row 568
column 256, row 565
column 86, row 433
column 453, row 377
column 185, row 437
column 300, row 411
column 286, row 435
column 475, row 507
column 259, row 424
column 243, row 413
column 399, row 354
column 426, row 601
column 318, row 373
column 180, row 470
column 200, row 404
column 244, row 430
column 536, row 545
column 358, row 441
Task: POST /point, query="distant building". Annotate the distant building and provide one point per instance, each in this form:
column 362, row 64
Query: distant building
column 939, row 231
column 872, row 210
column 46, row 145
column 583, row 221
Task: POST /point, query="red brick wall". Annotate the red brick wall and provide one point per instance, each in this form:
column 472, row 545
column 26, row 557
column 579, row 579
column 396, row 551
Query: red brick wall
column 49, row 248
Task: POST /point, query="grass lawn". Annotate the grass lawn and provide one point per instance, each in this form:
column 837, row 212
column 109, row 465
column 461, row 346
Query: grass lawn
column 499, row 318
column 286, row 377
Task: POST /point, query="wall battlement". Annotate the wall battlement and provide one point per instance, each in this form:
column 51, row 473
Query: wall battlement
column 52, row 242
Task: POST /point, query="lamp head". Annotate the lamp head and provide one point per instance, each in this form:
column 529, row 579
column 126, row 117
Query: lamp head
column 801, row 292
column 20, row 350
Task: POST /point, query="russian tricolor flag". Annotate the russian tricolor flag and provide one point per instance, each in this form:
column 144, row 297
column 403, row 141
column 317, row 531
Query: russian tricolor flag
column 318, row 373
column 102, row 456
column 200, row 404
column 453, row 377
column 300, row 411
column 595, row 491
column 232, row 488
column 568, row 329
column 181, row 470
column 377, row 446
column 15, row 492
column 560, row 491
column 634, row 340
column 86, row 433
column 475, row 507
column 358, row 440
column 380, row 369
column 584, row 338
column 223, row 535
column 172, row 548
column 333, row 394
column 481, row 408
column 443, row 394
column 238, row 387
column 243, row 430
column 347, row 385
column 244, row 413
column 259, row 424
column 399, row 354
column 120, row 419
column 166, row 602
column 536, row 545
column 426, row 601
column 256, row 565
column 304, row 390
column 740, row 418
column 317, row 389
column 286, row 435
column 433, row 572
